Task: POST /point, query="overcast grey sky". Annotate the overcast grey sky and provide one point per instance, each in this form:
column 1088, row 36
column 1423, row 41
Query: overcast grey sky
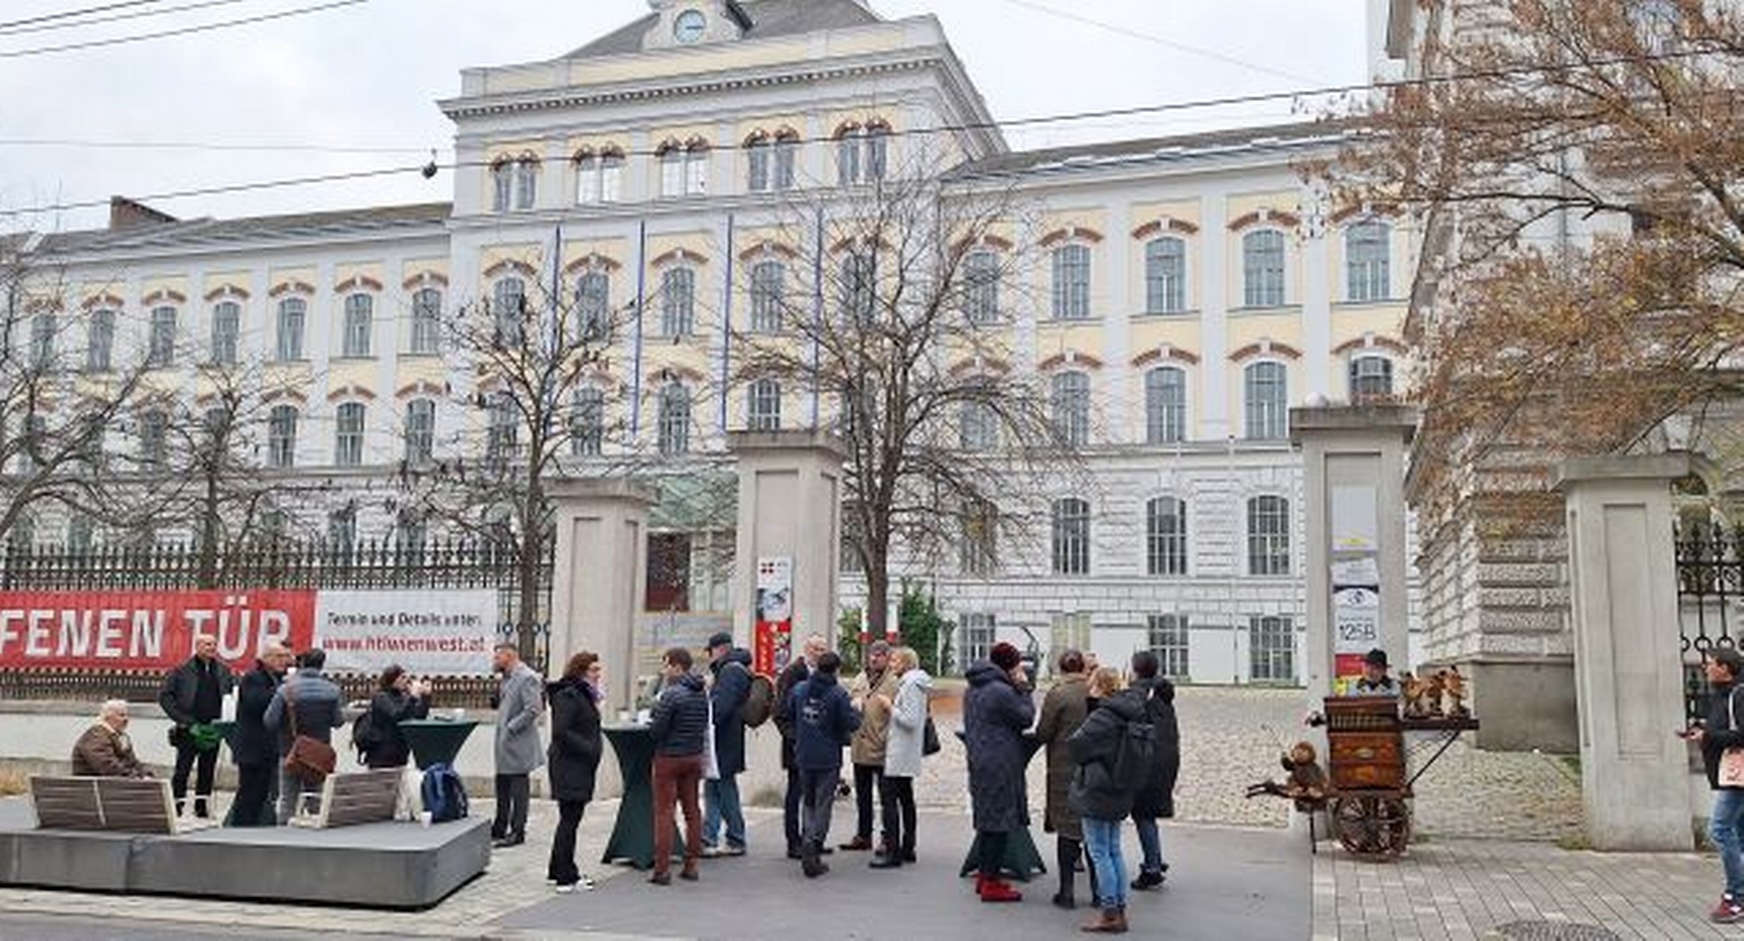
column 368, row 76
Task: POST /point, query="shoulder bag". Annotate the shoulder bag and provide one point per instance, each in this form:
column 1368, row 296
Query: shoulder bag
column 310, row 759
column 1732, row 759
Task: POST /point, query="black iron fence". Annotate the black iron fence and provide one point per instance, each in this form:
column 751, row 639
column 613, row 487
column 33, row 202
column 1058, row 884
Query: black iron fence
column 523, row 616
column 1710, row 591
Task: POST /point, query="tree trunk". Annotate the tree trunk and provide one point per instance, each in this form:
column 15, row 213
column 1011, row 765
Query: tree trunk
column 877, row 599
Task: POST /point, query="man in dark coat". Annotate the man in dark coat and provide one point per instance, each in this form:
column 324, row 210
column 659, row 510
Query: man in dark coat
column 1157, row 798
column 573, row 759
column 996, row 711
column 306, row 704
column 193, row 697
column 1722, row 730
column 731, row 667
column 679, row 728
column 824, row 719
column 255, row 747
column 796, row 673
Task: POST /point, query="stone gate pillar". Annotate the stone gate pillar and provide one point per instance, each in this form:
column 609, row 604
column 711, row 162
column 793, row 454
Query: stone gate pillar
column 1627, row 662
column 790, row 507
column 598, row 578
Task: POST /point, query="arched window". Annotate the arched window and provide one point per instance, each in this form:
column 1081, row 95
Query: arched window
column 420, row 431
column 1071, row 536
column 1262, row 268
column 587, row 422
column 226, row 332
column 1367, row 258
column 673, row 419
column 161, row 349
column 981, row 286
column 1071, row 265
column 508, row 306
column 763, row 406
column 683, row 168
column 1371, row 379
column 427, row 321
column 1071, row 408
column 502, row 175
column 1165, row 276
column 593, row 298
column 768, row 296
column 359, row 325
column 1165, row 405
column 281, row 437
column 758, row 149
column 293, row 312
column 1268, row 536
column 862, row 152
column 678, row 301
column 598, row 177
column 1266, row 386
column 348, row 435
column 786, row 150
column 526, row 182
column 1166, row 536
column 100, row 341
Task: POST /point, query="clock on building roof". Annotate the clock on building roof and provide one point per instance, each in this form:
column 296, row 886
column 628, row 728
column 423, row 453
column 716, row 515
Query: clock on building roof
column 689, row 26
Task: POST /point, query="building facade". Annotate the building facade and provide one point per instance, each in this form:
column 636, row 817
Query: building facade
column 1189, row 291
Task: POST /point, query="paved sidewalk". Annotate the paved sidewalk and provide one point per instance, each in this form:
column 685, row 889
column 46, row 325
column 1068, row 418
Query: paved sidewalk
column 1475, row 889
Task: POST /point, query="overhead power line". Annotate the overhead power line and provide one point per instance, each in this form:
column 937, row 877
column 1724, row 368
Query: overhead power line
column 262, row 146
column 181, row 31
column 134, row 15
column 71, row 14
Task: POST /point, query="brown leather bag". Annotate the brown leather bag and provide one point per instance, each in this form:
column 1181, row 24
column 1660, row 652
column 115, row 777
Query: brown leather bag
column 310, row 758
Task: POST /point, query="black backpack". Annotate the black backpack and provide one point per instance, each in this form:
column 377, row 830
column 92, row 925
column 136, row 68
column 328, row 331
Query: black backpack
column 1133, row 755
column 364, row 736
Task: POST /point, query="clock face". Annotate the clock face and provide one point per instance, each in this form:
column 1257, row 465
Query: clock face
column 689, row 26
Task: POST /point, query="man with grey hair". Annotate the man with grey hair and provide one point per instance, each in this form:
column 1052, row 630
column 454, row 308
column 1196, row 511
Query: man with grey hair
column 873, row 692
column 193, row 697
column 105, row 751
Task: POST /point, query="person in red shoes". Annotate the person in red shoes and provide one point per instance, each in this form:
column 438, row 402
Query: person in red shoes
column 996, row 711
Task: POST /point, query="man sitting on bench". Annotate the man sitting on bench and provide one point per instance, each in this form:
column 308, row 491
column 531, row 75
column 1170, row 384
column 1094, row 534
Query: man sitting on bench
column 104, row 751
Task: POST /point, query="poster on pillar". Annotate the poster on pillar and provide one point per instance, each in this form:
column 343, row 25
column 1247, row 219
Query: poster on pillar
column 1356, row 629
column 772, row 639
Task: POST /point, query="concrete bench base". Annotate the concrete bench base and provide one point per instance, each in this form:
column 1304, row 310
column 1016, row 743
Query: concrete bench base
column 374, row 865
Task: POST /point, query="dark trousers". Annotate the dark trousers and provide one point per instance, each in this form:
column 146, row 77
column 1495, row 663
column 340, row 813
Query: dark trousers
column 187, row 757
column 790, row 810
column 896, row 798
column 866, row 777
column 562, row 869
column 677, row 780
column 1067, row 853
column 513, row 792
column 253, row 792
column 992, row 853
column 819, row 790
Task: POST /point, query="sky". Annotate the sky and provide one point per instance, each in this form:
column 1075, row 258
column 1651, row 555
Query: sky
column 271, row 100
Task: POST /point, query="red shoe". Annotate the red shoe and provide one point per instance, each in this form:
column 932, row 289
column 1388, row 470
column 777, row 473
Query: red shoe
column 998, row 890
column 1727, row 912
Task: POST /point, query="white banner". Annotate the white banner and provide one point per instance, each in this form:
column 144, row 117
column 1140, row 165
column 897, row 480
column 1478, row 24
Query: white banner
column 429, row 633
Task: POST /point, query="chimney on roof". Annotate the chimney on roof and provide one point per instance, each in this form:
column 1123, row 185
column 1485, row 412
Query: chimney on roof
column 126, row 213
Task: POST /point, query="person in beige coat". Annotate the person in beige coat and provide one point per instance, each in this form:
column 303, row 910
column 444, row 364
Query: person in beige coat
column 1063, row 711
column 872, row 692
column 104, row 751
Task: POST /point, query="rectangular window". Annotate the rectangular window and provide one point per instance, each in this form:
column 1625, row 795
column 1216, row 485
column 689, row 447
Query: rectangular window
column 1071, row 537
column 161, row 351
column 1071, row 282
column 502, row 186
column 359, row 323
column 1166, row 536
column 672, row 173
column 1268, row 536
column 281, row 437
column 100, row 348
column 1165, row 276
column 427, row 322
column 763, row 411
column 226, row 333
column 978, row 547
column 696, row 167
column 611, row 177
column 1167, row 638
column 785, row 150
column 42, row 337
column 978, row 427
column 678, row 302
column 292, row 312
column 1165, row 405
column 1271, row 649
column 420, row 431
column 502, row 431
column 526, row 184
column 593, row 297
column 975, row 636
column 587, row 421
column 981, row 287
column 1071, row 408
column 768, row 290
column 757, row 165
column 1366, row 262
column 1267, row 401
column 348, row 435
column 1068, row 632
column 1262, row 261
column 859, row 288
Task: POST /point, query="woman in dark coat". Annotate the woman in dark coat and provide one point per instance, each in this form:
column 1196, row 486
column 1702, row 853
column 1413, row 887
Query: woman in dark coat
column 996, row 711
column 573, row 759
column 1063, row 710
column 399, row 699
column 1157, row 798
column 1099, row 797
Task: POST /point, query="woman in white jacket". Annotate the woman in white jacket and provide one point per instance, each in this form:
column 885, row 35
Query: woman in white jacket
column 902, row 757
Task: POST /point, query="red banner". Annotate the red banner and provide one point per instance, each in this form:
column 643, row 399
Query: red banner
column 148, row 630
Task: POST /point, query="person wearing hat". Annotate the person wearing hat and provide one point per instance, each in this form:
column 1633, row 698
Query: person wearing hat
column 1375, row 681
column 1714, row 736
column 730, row 668
column 996, row 711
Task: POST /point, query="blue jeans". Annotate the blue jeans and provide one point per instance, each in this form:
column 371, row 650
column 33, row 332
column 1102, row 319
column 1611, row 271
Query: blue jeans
column 1726, row 829
column 721, row 802
column 1151, row 841
column 1102, row 839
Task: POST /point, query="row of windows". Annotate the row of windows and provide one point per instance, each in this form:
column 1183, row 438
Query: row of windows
column 1165, row 541
column 862, row 154
column 1271, row 642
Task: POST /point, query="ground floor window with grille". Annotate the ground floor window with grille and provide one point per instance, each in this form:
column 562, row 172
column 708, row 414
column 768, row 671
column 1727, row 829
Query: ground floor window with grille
column 1168, row 641
column 974, row 637
column 1271, row 649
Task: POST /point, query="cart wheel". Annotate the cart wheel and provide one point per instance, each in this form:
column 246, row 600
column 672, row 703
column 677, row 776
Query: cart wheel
column 1372, row 826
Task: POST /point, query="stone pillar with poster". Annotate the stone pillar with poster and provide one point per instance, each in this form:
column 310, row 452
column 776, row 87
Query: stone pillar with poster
column 772, row 640
column 790, row 524
column 1355, row 574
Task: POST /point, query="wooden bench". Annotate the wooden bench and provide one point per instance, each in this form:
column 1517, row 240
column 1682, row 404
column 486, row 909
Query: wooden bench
column 126, row 805
column 353, row 798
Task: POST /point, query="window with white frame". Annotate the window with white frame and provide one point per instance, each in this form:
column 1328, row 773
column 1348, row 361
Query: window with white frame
column 1165, row 276
column 976, row 633
column 42, row 339
column 1071, row 536
column 359, row 325
column 859, row 287
column 981, row 286
column 1165, row 405
column 1371, row 378
column 1071, row 407
column 598, row 177
column 526, row 182
column 509, row 310
column 100, row 341
column 678, row 301
column 672, row 419
column 1067, row 631
column 502, row 175
column 978, row 544
column 593, row 300
column 154, row 426
column 786, row 150
column 763, row 406
column 1271, row 645
column 420, row 431
column 768, row 295
column 977, row 426
column 281, row 437
column 862, row 153
column 683, row 168
column 427, row 321
column 226, row 332
column 1266, row 390
column 1071, row 293
column 1262, row 268
column 1166, row 636
column 587, row 422
column 502, row 430
column 161, row 343
column 759, row 148
column 293, row 314
column 1166, row 536
column 1268, row 535
column 1367, row 261
column 348, row 435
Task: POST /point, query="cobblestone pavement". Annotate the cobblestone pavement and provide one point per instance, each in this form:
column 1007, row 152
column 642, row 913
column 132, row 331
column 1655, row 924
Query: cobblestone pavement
column 1482, row 889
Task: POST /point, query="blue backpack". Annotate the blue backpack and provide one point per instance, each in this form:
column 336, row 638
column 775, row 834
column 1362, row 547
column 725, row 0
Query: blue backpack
column 444, row 794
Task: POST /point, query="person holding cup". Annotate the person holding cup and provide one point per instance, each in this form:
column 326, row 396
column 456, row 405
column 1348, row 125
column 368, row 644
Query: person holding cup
column 399, row 698
column 573, row 759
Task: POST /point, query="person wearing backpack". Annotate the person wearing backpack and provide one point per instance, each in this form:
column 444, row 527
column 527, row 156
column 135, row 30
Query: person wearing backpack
column 1113, row 750
column 824, row 720
column 376, row 734
column 1156, row 799
column 731, row 690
